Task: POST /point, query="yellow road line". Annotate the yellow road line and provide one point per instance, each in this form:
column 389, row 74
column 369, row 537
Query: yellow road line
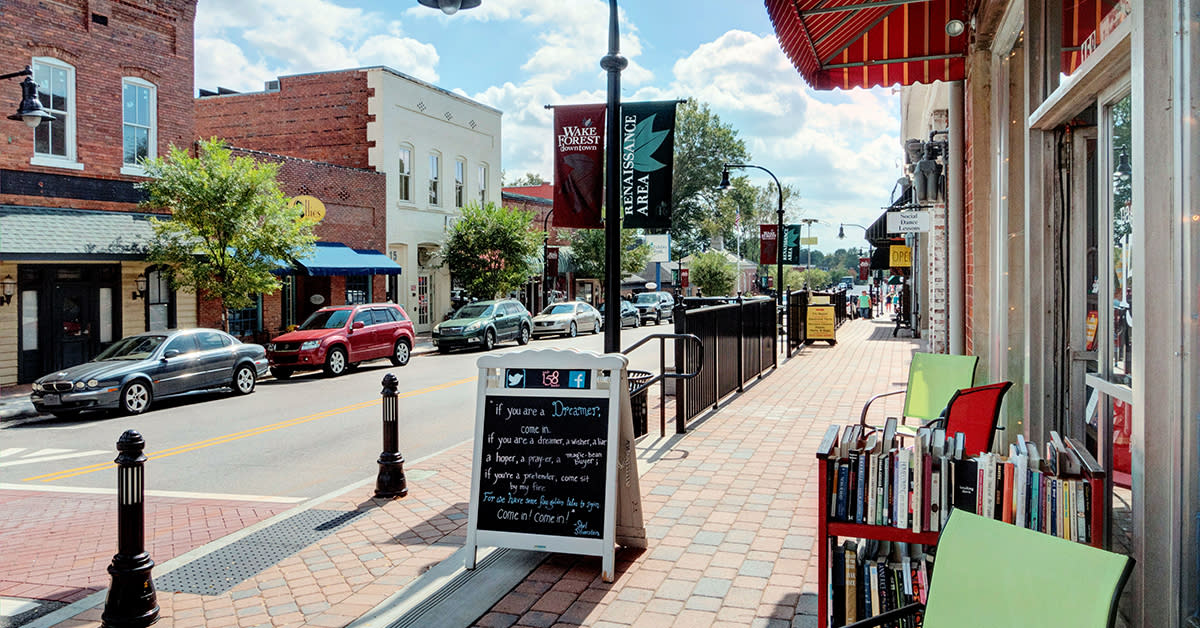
column 217, row 440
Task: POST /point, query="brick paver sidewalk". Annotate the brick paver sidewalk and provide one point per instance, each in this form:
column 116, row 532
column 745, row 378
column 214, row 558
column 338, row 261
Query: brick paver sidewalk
column 730, row 515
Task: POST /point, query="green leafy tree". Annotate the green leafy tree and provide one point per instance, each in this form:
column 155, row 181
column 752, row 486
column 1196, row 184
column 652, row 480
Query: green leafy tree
column 703, row 144
column 587, row 253
column 712, row 273
column 815, row 279
column 489, row 250
column 529, row 178
column 230, row 224
column 793, row 279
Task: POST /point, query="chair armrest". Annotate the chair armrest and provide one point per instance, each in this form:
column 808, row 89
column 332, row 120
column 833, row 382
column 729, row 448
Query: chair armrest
column 890, row 616
column 862, row 420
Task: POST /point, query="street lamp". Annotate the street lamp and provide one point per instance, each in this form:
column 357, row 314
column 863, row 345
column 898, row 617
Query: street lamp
column 546, row 258
column 30, row 109
column 612, row 63
column 779, row 214
column 870, row 254
column 809, row 222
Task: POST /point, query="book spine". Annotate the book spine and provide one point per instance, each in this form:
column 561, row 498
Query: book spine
column 838, row 609
column 902, row 492
column 860, row 506
column 873, row 568
column 981, row 488
column 851, row 586
column 918, row 491
column 998, row 488
column 1053, row 506
column 1007, row 514
column 872, row 482
column 1087, row 512
column 843, row 487
column 935, row 495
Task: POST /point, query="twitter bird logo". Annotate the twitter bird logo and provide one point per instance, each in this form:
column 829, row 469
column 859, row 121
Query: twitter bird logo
column 514, row 378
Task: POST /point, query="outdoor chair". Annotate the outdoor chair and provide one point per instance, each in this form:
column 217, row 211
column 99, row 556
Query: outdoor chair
column 991, row 573
column 932, row 379
column 975, row 412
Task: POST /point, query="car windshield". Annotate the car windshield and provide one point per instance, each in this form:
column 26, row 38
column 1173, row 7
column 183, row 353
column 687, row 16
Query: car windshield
column 559, row 308
column 326, row 319
column 132, row 348
column 474, row 310
column 647, row 297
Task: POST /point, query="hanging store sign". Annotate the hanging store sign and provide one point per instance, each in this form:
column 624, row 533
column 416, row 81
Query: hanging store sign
column 908, row 222
column 311, row 208
column 900, row 256
column 647, row 158
column 578, row 166
column 660, row 247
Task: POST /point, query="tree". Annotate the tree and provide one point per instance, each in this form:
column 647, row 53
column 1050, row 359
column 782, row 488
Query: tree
column 587, row 253
column 230, row 224
column 702, row 146
column 712, row 273
column 815, row 279
column 489, row 249
column 793, row 279
column 529, row 178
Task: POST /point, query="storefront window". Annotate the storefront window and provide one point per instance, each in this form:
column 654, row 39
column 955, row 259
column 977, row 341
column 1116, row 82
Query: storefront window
column 245, row 322
column 1121, row 202
column 358, row 289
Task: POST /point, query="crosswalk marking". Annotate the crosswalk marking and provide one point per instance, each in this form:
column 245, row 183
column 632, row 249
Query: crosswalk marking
column 44, row 455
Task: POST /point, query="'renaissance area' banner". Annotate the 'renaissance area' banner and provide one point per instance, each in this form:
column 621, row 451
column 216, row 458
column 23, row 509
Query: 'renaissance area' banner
column 647, row 161
column 578, row 166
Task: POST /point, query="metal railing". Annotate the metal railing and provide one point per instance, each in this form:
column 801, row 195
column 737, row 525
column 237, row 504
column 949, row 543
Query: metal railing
column 739, row 336
column 663, row 374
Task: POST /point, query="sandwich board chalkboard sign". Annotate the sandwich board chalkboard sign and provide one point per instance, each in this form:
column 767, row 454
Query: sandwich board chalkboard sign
column 555, row 466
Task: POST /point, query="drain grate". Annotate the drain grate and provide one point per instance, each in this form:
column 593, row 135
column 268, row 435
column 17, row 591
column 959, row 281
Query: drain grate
column 221, row 570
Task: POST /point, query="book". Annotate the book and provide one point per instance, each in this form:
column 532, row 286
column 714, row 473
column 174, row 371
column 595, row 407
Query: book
column 852, row 458
column 901, row 501
column 1008, row 471
column 918, row 477
column 860, row 493
column 984, row 489
column 1068, row 462
column 875, row 609
column 851, row 567
column 843, row 489
column 964, row 484
column 838, row 590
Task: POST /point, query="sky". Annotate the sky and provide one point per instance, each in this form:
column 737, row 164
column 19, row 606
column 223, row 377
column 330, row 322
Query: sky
column 841, row 149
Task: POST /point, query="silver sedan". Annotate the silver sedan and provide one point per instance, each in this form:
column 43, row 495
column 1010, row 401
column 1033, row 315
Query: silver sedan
column 567, row 319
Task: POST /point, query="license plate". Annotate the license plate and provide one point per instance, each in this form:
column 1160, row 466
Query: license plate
column 52, row 400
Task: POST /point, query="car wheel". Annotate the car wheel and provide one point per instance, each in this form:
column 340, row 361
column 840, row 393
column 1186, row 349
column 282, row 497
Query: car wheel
column 573, row 331
column 281, row 372
column 523, row 339
column 335, row 362
column 401, row 353
column 136, row 397
column 598, row 325
column 637, row 322
column 243, row 380
column 489, row 339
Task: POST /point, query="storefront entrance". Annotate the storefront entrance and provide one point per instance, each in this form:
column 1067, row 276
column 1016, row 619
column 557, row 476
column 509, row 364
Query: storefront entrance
column 67, row 315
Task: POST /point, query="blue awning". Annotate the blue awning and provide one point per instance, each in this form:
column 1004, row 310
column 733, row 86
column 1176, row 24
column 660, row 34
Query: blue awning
column 335, row 258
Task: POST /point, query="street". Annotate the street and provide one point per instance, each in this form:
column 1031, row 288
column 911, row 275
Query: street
column 292, row 439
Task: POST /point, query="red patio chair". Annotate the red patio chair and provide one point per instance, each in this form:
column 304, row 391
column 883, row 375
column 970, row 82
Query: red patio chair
column 975, row 412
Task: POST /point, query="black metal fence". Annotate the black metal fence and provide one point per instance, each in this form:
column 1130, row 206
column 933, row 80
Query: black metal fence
column 797, row 314
column 738, row 336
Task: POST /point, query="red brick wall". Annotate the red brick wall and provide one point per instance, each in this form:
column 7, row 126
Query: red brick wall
column 150, row 40
column 322, row 117
column 539, row 211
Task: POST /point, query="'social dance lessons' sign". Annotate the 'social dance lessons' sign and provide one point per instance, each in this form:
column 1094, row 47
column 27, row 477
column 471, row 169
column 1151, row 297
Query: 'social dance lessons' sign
column 554, row 465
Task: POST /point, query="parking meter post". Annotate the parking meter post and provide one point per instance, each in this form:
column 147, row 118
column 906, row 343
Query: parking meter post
column 391, row 481
column 131, row 598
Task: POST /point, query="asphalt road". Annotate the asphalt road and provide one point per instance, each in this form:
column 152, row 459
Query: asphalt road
column 297, row 439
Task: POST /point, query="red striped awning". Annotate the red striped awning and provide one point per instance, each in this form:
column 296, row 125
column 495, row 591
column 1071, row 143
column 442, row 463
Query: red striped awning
column 1082, row 25
column 840, row 44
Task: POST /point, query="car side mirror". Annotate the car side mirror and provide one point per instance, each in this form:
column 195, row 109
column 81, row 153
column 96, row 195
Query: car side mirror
column 358, row 325
column 170, row 353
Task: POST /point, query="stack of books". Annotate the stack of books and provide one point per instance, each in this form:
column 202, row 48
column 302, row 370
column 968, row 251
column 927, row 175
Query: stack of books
column 872, row 577
column 879, row 482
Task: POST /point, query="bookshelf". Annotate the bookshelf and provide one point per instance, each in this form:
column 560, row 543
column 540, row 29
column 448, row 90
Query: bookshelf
column 829, row 529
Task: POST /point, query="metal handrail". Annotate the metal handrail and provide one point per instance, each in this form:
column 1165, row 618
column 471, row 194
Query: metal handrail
column 662, row 367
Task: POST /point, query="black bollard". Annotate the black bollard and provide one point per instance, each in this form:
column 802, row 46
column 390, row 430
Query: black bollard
column 131, row 600
column 391, row 482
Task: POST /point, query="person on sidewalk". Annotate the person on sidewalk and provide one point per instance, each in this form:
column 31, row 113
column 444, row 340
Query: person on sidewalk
column 864, row 305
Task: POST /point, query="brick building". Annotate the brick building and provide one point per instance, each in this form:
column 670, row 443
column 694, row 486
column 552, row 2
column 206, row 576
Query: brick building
column 438, row 150
column 348, row 265
column 118, row 77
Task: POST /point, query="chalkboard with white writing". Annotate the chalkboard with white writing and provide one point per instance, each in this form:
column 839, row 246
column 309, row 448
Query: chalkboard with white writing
column 543, row 462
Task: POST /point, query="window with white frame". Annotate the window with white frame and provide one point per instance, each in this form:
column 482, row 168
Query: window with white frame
column 460, row 175
column 404, row 178
column 435, row 166
column 483, row 174
column 139, row 122
column 55, row 139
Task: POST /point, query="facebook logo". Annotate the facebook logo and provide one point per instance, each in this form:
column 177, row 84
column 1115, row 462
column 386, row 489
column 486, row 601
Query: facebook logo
column 576, row 379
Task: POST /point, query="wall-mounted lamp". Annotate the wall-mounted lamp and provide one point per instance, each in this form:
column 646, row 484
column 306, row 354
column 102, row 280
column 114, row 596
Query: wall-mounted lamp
column 140, row 288
column 8, row 287
column 450, row 7
column 30, row 110
column 954, row 28
column 1124, row 170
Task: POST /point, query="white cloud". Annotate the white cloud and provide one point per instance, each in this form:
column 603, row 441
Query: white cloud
column 221, row 63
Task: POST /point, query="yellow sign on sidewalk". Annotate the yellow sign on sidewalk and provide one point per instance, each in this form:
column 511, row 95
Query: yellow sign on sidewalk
column 900, row 256
column 821, row 323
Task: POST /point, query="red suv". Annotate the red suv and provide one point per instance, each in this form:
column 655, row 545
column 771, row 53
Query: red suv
column 338, row 338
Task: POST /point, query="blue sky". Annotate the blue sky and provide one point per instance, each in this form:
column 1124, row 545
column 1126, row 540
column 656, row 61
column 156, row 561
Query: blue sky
column 841, row 149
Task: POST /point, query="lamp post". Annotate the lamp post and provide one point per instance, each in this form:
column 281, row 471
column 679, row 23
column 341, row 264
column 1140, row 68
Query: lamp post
column 809, row 222
column 30, row 110
column 546, row 258
column 778, row 235
column 612, row 63
column 842, row 236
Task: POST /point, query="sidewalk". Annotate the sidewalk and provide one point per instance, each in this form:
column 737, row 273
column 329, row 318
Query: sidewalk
column 730, row 512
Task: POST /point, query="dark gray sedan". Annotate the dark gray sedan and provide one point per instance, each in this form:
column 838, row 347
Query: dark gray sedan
column 134, row 371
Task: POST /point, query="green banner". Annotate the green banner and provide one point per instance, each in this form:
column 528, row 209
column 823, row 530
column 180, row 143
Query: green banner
column 791, row 244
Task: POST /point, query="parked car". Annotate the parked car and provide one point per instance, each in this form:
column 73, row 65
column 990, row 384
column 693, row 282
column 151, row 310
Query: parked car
column 339, row 338
column 136, row 370
column 655, row 306
column 483, row 324
column 567, row 319
column 629, row 314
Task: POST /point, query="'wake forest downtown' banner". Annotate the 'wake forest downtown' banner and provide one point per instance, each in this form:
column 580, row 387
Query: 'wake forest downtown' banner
column 647, row 132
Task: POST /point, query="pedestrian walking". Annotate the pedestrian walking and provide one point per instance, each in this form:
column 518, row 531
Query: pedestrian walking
column 864, row 305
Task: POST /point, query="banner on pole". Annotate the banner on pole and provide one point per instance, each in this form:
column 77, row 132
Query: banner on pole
column 864, row 268
column 768, row 238
column 552, row 261
column 647, row 159
column 791, row 244
column 578, row 166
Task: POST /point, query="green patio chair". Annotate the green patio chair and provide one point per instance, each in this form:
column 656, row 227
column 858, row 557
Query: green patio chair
column 995, row 574
column 932, row 379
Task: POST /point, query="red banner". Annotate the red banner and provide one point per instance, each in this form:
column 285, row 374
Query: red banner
column 768, row 239
column 578, row 166
column 552, row 261
column 864, row 268
column 683, row 278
